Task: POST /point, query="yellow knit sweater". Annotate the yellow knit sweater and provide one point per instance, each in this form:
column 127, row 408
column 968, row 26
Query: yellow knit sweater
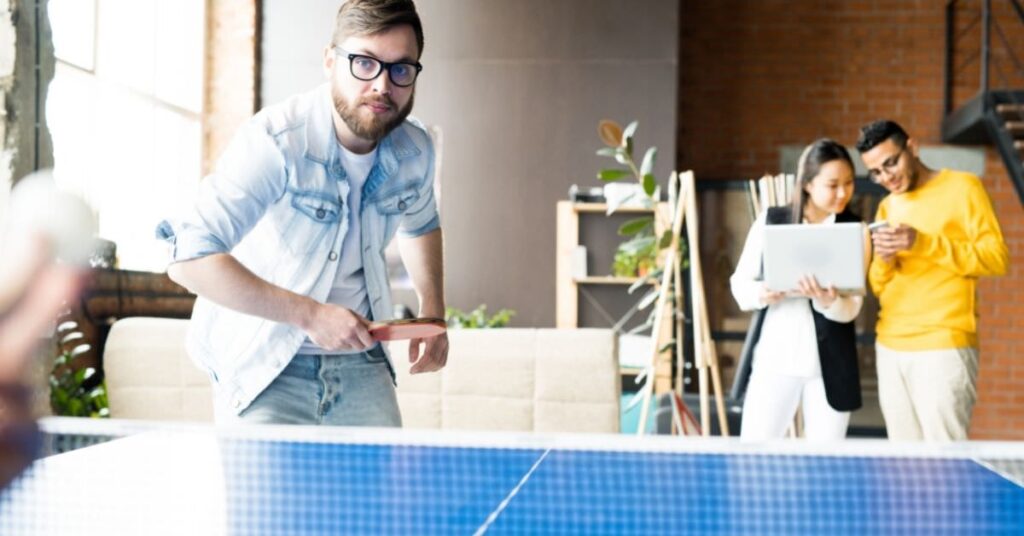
column 927, row 294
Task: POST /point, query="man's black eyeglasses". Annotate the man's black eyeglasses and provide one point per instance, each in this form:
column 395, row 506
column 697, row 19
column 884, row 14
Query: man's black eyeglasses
column 888, row 166
column 367, row 68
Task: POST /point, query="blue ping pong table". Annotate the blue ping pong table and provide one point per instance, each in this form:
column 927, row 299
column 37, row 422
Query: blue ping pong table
column 302, row 481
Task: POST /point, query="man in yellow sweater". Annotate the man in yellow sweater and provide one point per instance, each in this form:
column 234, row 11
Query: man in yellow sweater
column 942, row 234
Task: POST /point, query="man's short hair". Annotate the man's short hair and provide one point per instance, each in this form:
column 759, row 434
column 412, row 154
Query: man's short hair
column 877, row 132
column 370, row 17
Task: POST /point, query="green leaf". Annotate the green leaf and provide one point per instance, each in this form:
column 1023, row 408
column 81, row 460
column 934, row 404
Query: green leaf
column 637, row 245
column 667, row 346
column 642, row 327
column 633, row 227
column 636, row 285
column 649, row 299
column 75, row 407
column 619, row 202
column 666, row 240
column 609, row 175
column 649, row 185
column 648, row 164
column 627, row 133
column 73, row 336
column 608, row 151
column 627, row 138
column 81, row 375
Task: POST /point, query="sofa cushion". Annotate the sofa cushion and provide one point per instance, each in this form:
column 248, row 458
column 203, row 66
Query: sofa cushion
column 518, row 379
column 149, row 375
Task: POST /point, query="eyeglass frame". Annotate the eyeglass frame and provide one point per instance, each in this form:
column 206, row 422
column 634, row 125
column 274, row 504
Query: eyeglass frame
column 888, row 167
column 383, row 65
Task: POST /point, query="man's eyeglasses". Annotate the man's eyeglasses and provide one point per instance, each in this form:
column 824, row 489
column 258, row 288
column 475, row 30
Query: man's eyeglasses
column 889, row 165
column 367, row 68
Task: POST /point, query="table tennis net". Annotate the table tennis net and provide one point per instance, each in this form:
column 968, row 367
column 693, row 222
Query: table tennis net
column 137, row 478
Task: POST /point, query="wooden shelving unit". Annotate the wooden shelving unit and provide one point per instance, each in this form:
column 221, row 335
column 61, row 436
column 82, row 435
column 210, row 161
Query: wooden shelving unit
column 568, row 287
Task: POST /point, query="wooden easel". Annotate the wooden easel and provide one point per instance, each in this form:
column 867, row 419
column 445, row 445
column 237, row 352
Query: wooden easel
column 705, row 357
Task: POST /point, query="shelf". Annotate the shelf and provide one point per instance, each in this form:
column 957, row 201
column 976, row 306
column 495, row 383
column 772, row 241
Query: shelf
column 605, row 280
column 603, row 207
column 569, row 289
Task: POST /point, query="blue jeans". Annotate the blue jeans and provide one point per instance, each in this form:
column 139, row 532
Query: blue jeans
column 339, row 390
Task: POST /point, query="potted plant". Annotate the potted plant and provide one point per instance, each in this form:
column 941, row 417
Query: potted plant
column 635, row 257
column 649, row 234
column 477, row 318
column 75, row 391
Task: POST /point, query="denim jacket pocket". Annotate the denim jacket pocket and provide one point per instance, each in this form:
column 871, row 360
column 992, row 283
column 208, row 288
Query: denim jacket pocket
column 397, row 202
column 316, row 213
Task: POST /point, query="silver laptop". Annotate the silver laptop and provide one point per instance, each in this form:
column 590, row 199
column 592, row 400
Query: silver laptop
column 833, row 253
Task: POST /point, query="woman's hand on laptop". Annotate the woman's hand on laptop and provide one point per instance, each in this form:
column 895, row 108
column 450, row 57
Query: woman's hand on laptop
column 771, row 297
column 824, row 296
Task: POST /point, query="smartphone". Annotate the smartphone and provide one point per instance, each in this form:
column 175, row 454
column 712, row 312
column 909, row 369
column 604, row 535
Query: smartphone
column 881, row 224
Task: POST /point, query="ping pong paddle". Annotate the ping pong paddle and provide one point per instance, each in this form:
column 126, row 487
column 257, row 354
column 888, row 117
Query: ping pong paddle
column 407, row 328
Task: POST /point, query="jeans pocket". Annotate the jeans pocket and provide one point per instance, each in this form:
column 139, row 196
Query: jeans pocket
column 375, row 355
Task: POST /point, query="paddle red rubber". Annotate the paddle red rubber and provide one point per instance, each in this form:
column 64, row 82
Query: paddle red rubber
column 407, row 328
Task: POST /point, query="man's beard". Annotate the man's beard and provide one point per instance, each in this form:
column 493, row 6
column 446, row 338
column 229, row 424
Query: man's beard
column 375, row 128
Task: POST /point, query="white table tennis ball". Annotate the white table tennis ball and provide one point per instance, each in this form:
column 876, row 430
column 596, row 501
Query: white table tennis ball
column 38, row 206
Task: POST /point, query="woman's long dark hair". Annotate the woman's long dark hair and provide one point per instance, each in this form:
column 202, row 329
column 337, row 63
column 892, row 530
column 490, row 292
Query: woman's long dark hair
column 817, row 154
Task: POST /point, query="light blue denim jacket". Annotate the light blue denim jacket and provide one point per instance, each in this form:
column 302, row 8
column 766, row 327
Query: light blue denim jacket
column 275, row 202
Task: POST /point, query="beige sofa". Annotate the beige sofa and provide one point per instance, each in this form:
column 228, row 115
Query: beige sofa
column 550, row 380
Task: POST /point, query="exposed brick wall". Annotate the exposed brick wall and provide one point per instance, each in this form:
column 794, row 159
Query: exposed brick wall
column 755, row 76
column 231, row 66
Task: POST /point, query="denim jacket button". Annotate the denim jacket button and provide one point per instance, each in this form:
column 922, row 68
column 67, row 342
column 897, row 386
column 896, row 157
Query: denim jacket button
column 320, row 213
column 333, row 256
column 401, row 205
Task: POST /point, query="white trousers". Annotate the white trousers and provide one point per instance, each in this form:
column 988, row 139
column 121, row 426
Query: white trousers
column 927, row 395
column 771, row 403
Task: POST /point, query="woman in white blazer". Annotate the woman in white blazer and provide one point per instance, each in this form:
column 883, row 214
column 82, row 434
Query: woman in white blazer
column 805, row 355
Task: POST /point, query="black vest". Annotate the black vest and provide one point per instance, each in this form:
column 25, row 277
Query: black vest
column 837, row 341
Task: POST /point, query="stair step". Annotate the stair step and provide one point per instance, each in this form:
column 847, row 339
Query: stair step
column 1015, row 127
column 1010, row 111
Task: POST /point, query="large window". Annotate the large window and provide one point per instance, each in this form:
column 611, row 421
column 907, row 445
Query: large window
column 125, row 113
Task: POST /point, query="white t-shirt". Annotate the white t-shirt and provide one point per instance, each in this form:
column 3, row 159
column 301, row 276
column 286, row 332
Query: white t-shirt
column 349, row 289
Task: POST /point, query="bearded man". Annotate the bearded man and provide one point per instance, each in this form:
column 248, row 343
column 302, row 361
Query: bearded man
column 284, row 246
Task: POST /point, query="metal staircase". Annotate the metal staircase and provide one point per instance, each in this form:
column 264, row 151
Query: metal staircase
column 991, row 116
